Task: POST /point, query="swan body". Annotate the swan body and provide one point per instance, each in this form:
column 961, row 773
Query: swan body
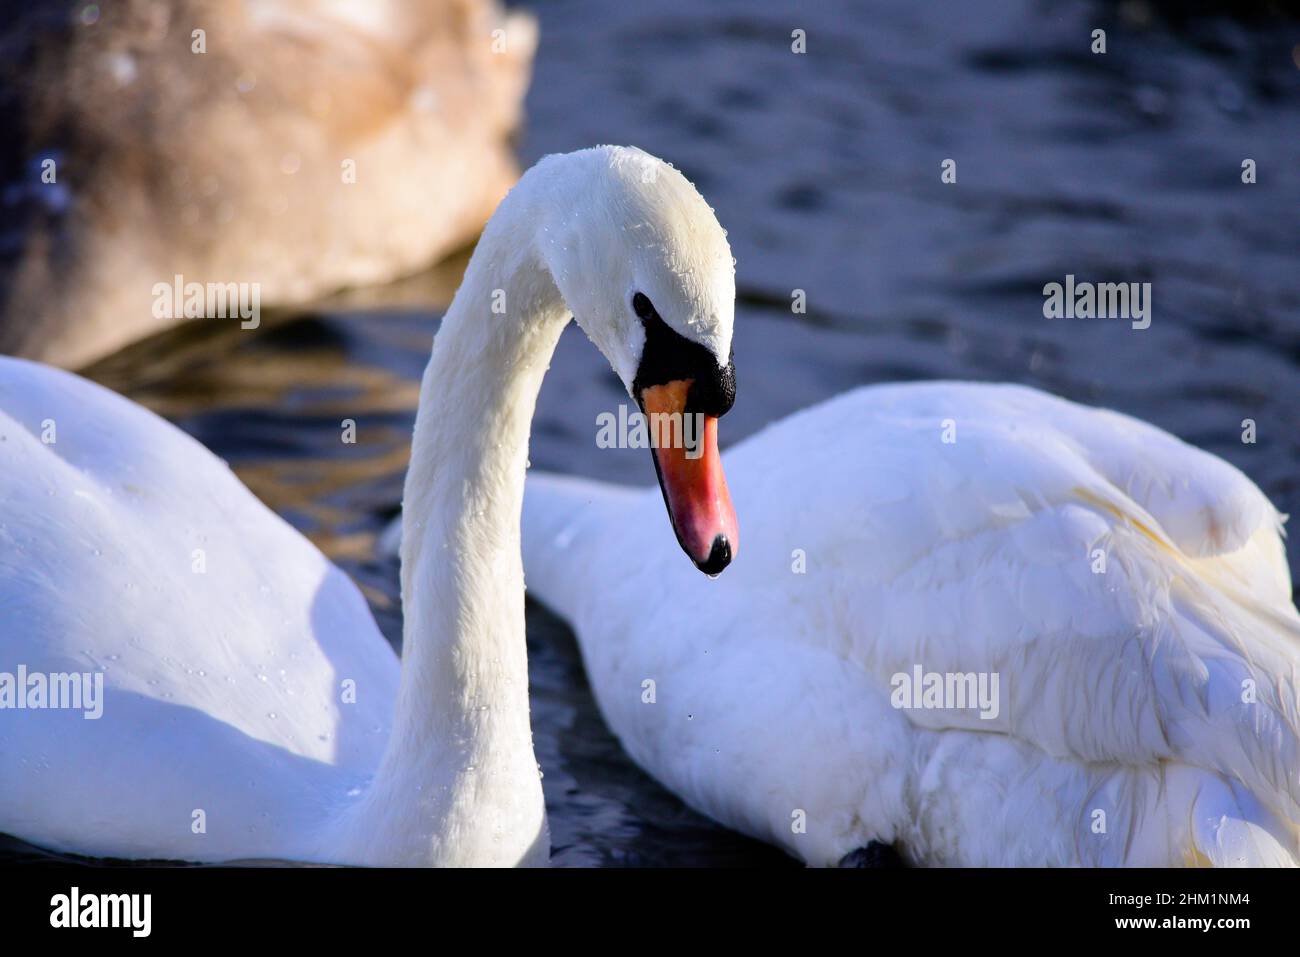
column 310, row 145
column 1130, row 591
column 223, row 635
column 250, row 706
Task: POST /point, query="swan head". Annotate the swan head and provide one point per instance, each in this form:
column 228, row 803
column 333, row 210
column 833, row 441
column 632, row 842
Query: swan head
column 642, row 263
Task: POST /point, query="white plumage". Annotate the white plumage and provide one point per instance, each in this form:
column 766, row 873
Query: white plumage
column 251, row 707
column 126, row 546
column 1149, row 710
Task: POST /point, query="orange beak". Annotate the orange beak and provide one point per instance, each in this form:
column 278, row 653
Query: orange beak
column 690, row 475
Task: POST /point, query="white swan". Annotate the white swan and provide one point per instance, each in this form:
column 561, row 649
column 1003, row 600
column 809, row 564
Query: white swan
column 231, row 649
column 1130, row 592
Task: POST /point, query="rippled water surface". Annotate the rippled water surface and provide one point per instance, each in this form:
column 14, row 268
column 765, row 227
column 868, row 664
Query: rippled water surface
column 825, row 169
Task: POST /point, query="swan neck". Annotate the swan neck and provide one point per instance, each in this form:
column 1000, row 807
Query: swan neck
column 461, row 744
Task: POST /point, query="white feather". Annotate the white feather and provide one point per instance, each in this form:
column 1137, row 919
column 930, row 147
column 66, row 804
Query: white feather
column 230, row 647
column 1123, row 690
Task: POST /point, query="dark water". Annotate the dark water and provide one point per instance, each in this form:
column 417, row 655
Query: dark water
column 825, row 168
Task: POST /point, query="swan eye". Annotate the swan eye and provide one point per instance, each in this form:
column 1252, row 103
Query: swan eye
column 642, row 306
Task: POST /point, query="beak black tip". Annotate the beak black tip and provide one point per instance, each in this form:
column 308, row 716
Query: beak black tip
column 719, row 557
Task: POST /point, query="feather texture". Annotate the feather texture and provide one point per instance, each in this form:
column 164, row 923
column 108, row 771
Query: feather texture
column 1129, row 591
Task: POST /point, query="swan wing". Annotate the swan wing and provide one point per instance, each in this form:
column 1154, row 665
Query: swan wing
column 223, row 637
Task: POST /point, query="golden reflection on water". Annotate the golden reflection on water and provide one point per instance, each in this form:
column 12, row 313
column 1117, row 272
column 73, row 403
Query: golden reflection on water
column 289, row 386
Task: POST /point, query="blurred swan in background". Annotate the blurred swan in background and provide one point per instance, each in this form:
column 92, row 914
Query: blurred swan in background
column 310, row 145
column 251, row 708
column 1130, row 593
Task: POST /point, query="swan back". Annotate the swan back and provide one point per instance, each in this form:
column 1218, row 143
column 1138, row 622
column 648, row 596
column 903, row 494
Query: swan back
column 222, row 636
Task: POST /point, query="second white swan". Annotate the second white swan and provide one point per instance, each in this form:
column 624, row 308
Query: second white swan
column 977, row 623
